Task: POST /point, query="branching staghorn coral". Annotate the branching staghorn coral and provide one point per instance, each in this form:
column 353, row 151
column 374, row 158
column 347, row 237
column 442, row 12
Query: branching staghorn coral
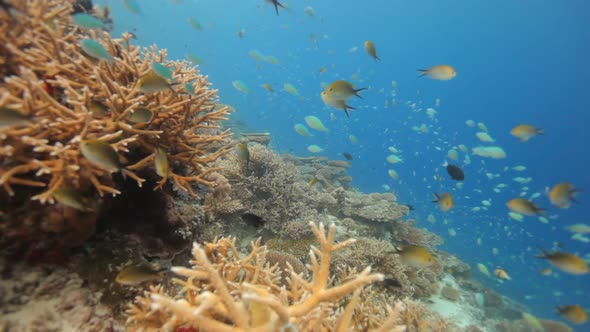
column 223, row 292
column 68, row 96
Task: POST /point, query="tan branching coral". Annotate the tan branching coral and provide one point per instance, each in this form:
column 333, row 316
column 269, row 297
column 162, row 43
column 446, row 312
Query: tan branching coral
column 51, row 81
column 223, row 292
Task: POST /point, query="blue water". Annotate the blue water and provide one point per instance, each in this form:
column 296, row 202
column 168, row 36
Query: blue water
column 517, row 62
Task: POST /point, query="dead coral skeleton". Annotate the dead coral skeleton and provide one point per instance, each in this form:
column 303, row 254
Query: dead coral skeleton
column 57, row 87
column 223, row 292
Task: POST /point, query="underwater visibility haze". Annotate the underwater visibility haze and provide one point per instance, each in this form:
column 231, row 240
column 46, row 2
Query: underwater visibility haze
column 473, row 114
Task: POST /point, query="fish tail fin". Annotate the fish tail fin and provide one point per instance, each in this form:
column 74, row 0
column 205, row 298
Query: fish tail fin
column 356, row 92
column 540, row 211
column 436, row 197
column 445, row 164
column 572, row 194
column 377, row 59
column 422, row 72
column 543, row 254
column 347, row 114
column 540, row 131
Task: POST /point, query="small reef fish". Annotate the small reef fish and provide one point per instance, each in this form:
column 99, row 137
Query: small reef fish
column 342, row 90
column 98, row 108
column 315, row 123
column 88, row 21
column 240, row 86
column 309, row 11
column 347, row 155
column 10, row 117
column 453, row 154
column 416, row 256
column 393, row 159
column 444, row 200
column 195, row 24
column 519, row 168
column 336, row 103
column 134, row 275
column 524, row 206
column 313, row 181
column 272, row 59
column 573, row 313
column 532, row 321
column 268, row 88
column 194, row 59
column 290, row 89
column 256, row 55
column 524, row 132
column 494, row 152
column 101, row 154
column 161, row 163
column 579, row 228
column 563, row 194
column 162, row 70
column 241, row 33
column 70, row 197
column 243, row 153
column 132, row 6
column 314, row 149
column 455, row 172
column 353, row 139
column 371, row 50
column 546, row 271
column 566, row 262
column 277, row 4
column 153, row 82
column 483, row 269
column 95, row 50
column 484, row 137
column 140, row 115
column 501, row 274
column 439, row 72
column 302, row 130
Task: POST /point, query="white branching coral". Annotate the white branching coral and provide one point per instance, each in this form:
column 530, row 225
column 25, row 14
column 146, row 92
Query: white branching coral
column 223, row 292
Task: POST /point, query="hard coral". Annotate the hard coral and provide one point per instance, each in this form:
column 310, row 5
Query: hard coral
column 223, row 292
column 269, row 188
column 373, row 207
column 52, row 82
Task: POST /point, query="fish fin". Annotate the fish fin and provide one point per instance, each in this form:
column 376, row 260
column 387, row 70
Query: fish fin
column 356, row 92
column 540, row 131
column 544, row 254
column 445, row 164
column 346, row 111
column 540, row 211
column 436, row 197
column 423, row 72
column 277, row 4
column 572, row 193
column 377, row 58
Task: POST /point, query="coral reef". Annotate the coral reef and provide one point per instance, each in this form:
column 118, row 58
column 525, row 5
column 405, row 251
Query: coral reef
column 43, row 299
column 270, row 189
column 231, row 293
column 66, row 96
column 407, row 232
column 330, row 174
column 375, row 207
column 418, row 319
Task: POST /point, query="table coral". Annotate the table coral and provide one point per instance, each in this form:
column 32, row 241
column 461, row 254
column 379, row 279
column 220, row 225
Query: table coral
column 224, row 292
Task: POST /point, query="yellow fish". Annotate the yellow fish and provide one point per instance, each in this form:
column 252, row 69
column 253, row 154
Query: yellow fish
column 524, row 132
column 154, row 83
column 370, row 49
column 444, row 200
column 101, row 154
column 573, row 313
column 341, row 89
column 70, row 197
column 338, row 104
column 243, row 152
column 134, row 275
column 567, row 262
column 501, row 274
column 563, row 194
column 416, row 256
column 524, row 206
column 161, row 163
column 439, row 72
column 313, row 181
column 268, row 88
